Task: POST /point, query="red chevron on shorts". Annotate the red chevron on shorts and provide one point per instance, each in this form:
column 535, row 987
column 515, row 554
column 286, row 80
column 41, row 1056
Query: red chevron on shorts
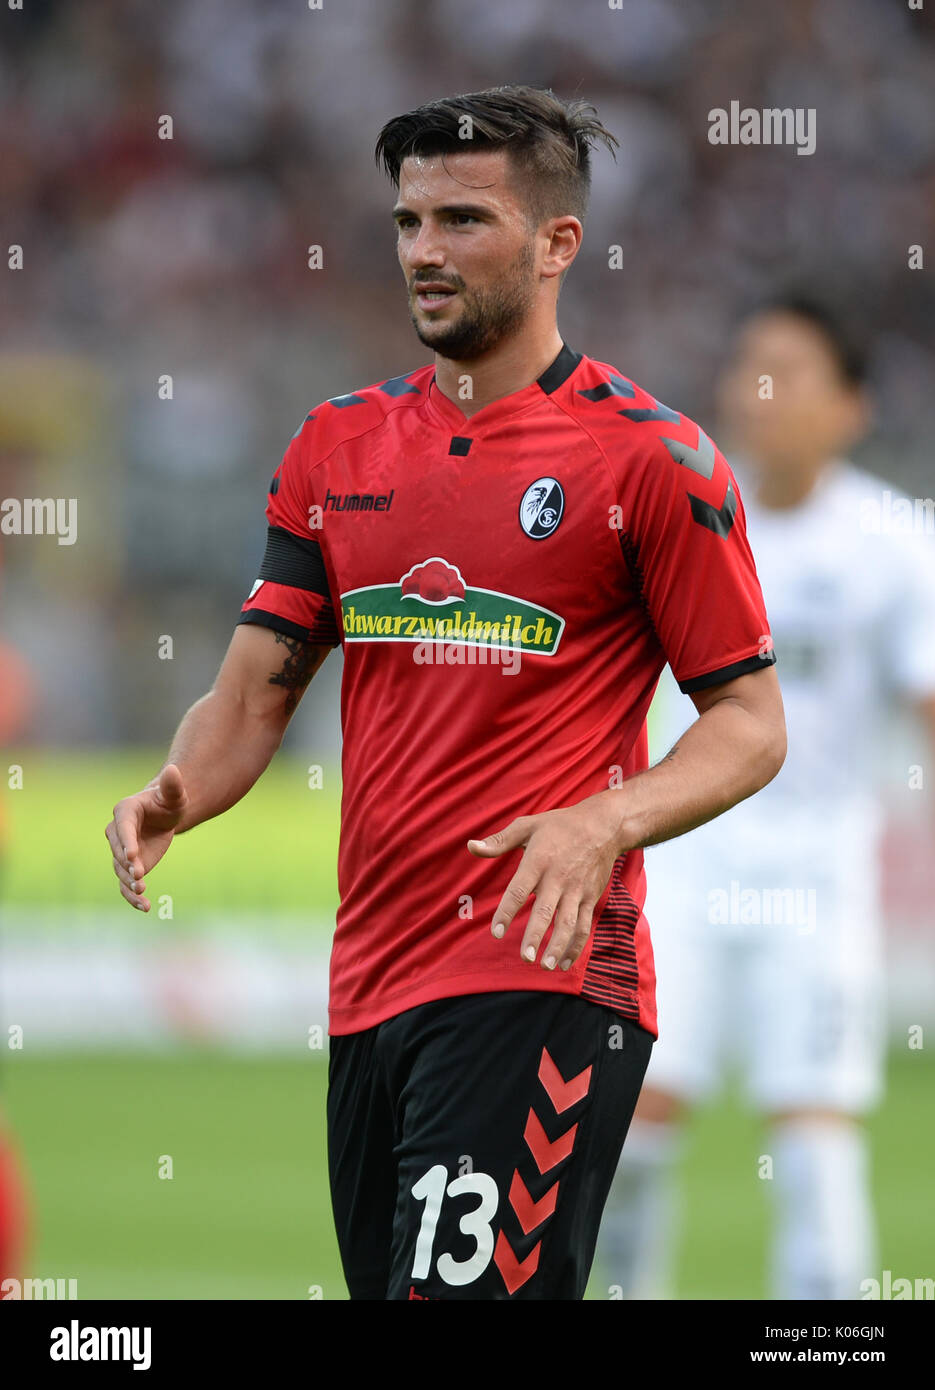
column 547, row 1153
column 531, row 1214
column 562, row 1094
column 513, row 1273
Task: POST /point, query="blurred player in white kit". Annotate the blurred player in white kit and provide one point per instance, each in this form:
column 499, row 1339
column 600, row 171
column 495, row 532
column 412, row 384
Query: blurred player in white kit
column 767, row 924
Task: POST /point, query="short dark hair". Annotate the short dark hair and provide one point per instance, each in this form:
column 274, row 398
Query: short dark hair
column 847, row 346
column 548, row 140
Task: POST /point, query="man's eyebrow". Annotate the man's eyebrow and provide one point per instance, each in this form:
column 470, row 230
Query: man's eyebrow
column 468, row 209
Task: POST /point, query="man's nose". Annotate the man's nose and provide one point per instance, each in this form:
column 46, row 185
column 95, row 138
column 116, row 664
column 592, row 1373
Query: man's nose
column 425, row 249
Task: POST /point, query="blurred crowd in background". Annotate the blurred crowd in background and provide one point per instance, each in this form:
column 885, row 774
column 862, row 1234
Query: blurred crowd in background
column 145, row 257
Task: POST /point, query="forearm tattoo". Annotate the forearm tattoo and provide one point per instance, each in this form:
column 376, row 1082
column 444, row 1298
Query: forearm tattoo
column 297, row 669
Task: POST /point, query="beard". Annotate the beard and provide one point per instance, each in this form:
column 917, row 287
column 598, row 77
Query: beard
column 487, row 315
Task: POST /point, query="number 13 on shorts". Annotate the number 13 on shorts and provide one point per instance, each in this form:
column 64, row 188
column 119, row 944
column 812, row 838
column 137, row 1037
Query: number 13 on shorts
column 433, row 1188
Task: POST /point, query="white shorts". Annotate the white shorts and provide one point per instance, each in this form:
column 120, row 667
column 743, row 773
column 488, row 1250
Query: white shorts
column 773, row 967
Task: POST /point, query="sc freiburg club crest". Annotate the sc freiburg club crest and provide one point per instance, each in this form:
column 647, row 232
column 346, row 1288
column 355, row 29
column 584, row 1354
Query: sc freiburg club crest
column 541, row 508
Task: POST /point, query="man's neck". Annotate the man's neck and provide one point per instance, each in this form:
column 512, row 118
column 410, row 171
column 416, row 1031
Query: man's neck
column 782, row 488
column 511, row 366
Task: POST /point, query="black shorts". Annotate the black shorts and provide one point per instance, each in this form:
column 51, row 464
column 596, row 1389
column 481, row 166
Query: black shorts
column 472, row 1142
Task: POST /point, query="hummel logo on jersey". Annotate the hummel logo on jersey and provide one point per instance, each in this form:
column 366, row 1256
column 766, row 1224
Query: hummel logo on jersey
column 541, row 508
column 358, row 501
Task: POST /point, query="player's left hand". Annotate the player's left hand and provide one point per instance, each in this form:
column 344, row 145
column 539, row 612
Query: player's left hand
column 569, row 857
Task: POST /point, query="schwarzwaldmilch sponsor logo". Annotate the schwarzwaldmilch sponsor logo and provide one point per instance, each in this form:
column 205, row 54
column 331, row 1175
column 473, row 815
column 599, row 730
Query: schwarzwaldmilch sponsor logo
column 432, row 601
column 434, row 581
column 358, row 501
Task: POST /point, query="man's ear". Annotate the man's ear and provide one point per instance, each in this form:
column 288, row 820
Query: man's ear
column 858, row 416
column 563, row 235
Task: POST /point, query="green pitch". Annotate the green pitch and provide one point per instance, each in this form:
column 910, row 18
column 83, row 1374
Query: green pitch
column 246, row 1214
column 276, row 851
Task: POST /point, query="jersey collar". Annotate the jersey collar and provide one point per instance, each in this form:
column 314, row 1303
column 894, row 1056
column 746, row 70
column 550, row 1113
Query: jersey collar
column 551, row 379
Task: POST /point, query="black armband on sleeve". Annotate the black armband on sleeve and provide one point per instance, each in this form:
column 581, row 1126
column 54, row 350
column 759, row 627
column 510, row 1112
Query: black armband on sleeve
column 294, row 561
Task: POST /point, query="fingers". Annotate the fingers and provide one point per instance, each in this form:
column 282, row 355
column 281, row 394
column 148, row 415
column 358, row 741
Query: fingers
column 567, row 951
column 116, row 848
column 563, row 907
column 565, row 912
column 122, row 836
column 547, row 890
column 513, row 836
column 570, row 922
column 127, row 839
column 523, row 883
column 131, row 888
column 551, row 908
column 571, row 926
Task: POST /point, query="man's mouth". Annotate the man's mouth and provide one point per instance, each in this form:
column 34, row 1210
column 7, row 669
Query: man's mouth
column 433, row 296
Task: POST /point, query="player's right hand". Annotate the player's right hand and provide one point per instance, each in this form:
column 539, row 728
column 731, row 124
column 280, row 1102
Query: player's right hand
column 142, row 830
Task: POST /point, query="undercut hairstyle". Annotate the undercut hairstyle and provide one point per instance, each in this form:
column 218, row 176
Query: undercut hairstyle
column 841, row 337
column 548, row 141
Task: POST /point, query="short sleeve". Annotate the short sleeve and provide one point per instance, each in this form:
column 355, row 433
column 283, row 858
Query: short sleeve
column 688, row 545
column 909, row 628
column 291, row 593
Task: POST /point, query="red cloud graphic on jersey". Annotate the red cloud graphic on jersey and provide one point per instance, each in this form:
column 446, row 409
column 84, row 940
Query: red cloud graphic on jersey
column 433, row 581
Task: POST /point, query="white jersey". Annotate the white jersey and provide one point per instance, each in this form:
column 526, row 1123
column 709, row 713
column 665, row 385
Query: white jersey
column 850, row 595
column 765, row 922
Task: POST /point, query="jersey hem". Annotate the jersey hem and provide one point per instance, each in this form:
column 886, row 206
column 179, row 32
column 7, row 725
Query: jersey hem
column 358, row 1020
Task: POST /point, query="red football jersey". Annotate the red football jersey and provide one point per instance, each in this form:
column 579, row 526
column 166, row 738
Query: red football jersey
column 507, row 589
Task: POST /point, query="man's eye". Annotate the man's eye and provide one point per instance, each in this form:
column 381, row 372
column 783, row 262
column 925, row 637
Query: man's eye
column 463, row 217
column 404, row 223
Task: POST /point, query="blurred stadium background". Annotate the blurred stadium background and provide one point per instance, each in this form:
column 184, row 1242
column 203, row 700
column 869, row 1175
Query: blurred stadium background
column 191, row 1033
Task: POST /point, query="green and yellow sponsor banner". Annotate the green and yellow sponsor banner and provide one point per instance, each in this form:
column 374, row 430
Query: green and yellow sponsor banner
column 380, row 613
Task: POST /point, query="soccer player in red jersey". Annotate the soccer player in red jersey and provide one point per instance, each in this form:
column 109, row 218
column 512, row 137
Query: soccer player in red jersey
column 509, row 543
